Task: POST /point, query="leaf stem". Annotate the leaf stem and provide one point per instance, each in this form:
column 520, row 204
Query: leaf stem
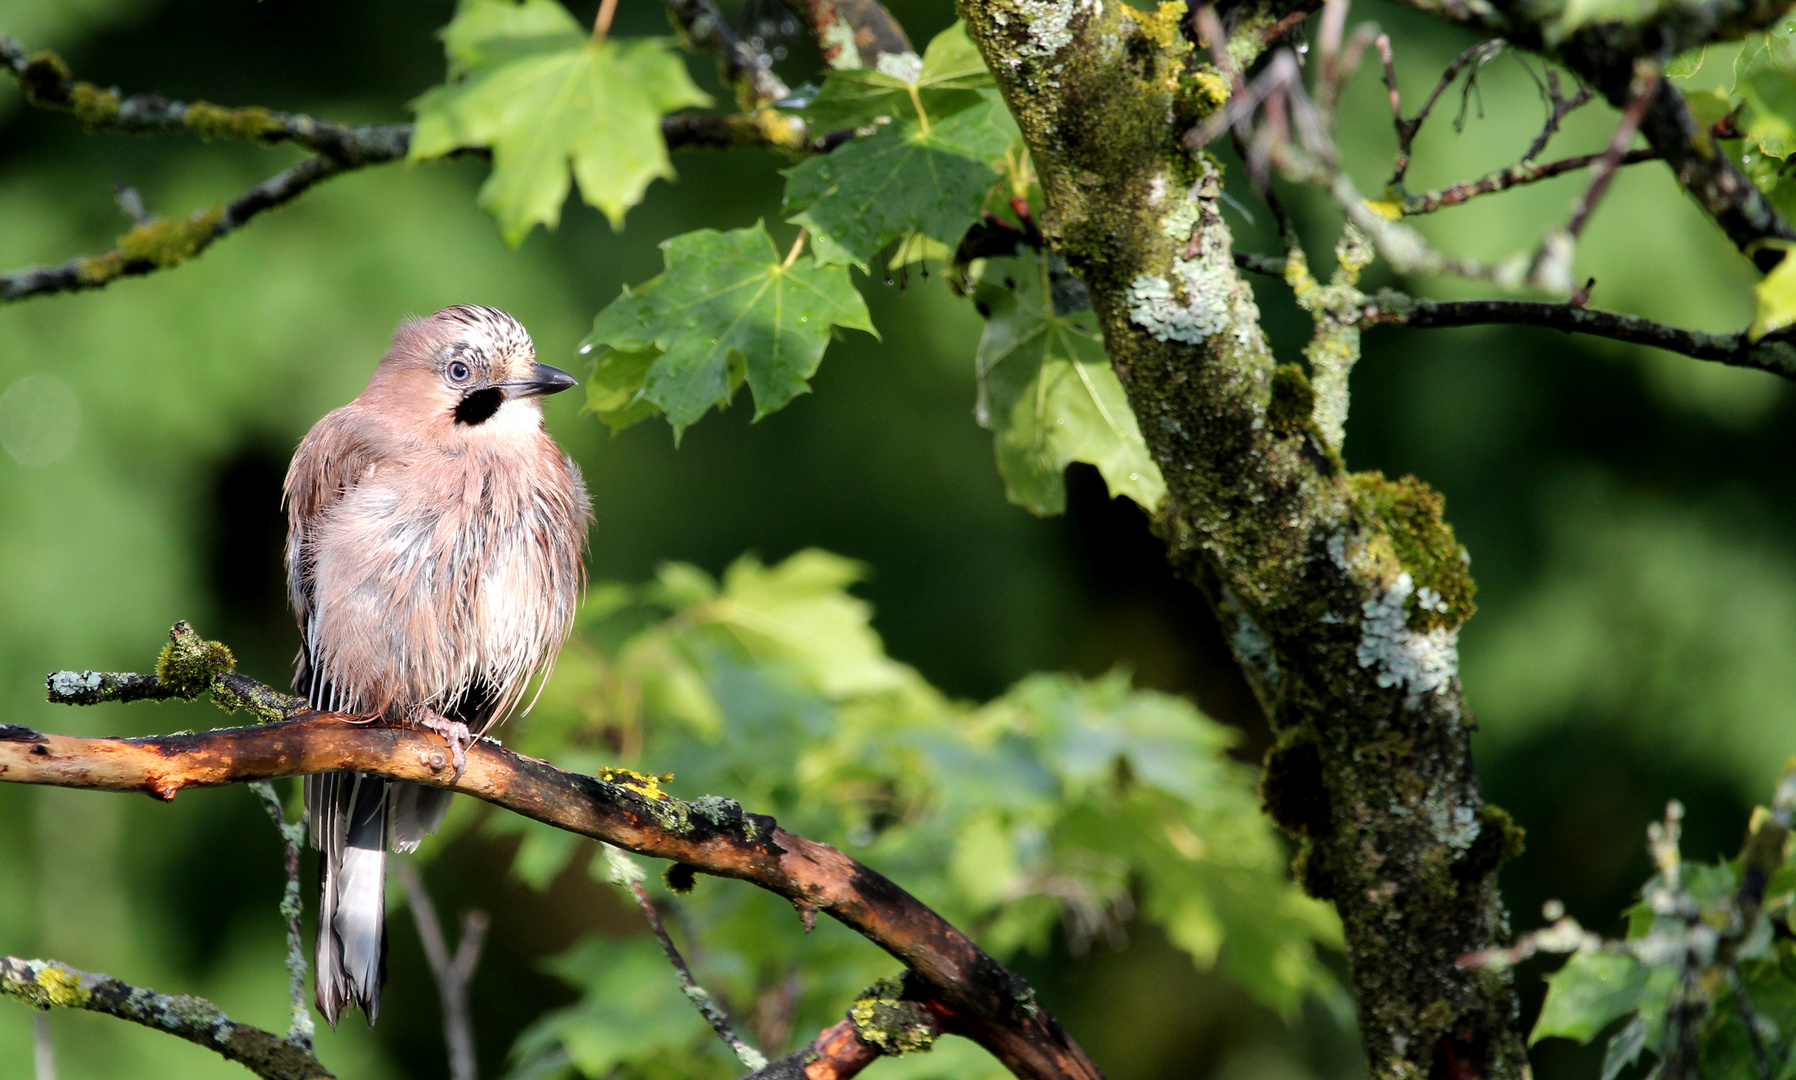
column 797, row 246
column 916, row 99
column 602, row 25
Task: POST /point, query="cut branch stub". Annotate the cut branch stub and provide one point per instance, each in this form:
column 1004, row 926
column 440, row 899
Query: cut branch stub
column 713, row 835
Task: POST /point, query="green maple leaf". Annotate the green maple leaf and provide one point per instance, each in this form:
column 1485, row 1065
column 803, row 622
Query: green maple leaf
column 531, row 84
column 911, row 176
column 727, row 309
column 1049, row 395
column 1777, row 298
column 943, row 82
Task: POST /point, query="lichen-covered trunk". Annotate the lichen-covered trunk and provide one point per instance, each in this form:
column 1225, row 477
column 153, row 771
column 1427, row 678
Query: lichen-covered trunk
column 1342, row 594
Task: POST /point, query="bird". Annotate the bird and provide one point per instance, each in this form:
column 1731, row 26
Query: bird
column 436, row 541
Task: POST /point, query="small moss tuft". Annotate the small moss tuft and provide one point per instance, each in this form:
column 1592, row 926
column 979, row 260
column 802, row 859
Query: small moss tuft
column 210, row 121
column 1412, row 513
column 189, row 663
column 93, row 106
column 679, row 878
column 162, row 242
column 45, row 79
column 883, row 1018
column 1499, row 840
column 1291, row 787
column 1293, row 400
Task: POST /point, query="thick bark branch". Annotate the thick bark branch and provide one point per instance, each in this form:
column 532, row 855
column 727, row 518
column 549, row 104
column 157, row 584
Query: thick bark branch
column 712, row 835
column 47, row 984
column 1343, row 593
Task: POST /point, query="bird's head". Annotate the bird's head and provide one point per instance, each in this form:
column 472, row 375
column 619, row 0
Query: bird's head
column 463, row 371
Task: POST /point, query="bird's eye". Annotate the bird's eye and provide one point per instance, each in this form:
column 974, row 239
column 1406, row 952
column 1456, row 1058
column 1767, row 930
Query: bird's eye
column 458, row 371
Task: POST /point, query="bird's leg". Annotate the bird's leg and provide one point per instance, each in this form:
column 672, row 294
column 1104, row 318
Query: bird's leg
column 454, row 732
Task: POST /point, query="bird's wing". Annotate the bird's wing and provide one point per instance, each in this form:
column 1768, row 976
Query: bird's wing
column 336, row 455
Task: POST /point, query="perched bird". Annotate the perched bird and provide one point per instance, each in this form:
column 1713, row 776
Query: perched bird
column 435, row 543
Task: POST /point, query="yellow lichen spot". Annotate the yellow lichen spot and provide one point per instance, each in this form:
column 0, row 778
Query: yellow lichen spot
column 1388, row 209
column 1161, row 26
column 648, row 784
column 781, row 128
column 210, row 121
column 62, row 987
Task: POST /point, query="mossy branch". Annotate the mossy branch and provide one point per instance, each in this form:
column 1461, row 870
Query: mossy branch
column 891, row 1018
column 46, row 984
column 710, row 835
column 1341, row 595
column 160, row 243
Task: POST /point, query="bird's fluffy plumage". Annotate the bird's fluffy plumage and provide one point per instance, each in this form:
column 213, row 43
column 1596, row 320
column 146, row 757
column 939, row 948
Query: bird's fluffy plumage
column 434, row 555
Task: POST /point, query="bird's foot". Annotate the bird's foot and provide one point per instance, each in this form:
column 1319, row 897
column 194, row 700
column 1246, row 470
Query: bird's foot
column 454, row 732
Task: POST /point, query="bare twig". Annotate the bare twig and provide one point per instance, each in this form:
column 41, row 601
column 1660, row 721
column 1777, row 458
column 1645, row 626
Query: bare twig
column 1558, row 108
column 1616, row 151
column 712, row 835
column 453, row 973
column 624, row 872
column 1480, row 54
column 47, row 984
column 1775, row 353
column 1516, row 175
column 293, row 838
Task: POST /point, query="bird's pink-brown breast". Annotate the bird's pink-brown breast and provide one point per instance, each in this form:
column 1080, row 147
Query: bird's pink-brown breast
column 438, row 572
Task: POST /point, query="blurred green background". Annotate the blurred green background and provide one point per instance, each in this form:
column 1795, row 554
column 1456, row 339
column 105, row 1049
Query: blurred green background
column 1628, row 512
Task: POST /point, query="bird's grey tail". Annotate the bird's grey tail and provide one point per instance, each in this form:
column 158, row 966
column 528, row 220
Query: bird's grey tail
column 346, row 813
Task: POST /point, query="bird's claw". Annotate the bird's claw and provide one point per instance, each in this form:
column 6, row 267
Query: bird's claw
column 454, row 732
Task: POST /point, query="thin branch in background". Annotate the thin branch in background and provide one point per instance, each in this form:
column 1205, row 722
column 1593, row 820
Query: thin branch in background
column 1749, row 1017
column 293, row 838
column 742, row 63
column 48, row 84
column 1558, row 108
column 453, row 973
column 1480, row 54
column 1291, row 21
column 1775, row 353
column 43, row 1053
column 46, row 984
column 1515, row 176
column 1646, row 88
column 623, row 871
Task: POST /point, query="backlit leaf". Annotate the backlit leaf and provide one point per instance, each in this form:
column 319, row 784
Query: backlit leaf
column 727, row 309
column 529, row 83
column 1777, row 298
column 1049, row 395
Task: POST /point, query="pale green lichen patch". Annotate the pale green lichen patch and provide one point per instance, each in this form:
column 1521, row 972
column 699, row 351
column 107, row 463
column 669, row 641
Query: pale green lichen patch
column 883, row 1018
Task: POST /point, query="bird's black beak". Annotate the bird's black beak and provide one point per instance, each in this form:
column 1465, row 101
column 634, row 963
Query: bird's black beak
column 543, row 380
